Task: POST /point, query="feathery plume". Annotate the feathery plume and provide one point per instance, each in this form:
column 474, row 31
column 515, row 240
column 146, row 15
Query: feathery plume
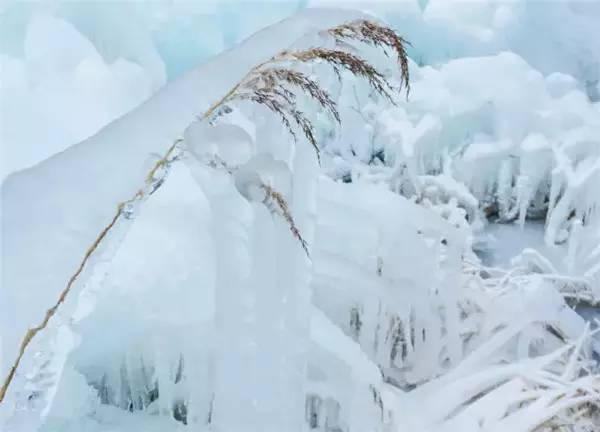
column 274, row 197
column 373, row 34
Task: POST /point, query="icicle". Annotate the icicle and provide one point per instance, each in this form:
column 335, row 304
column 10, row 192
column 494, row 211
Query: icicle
column 504, row 189
column 574, row 242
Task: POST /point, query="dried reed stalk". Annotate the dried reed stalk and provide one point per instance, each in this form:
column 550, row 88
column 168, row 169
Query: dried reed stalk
column 274, row 197
column 376, row 35
column 30, row 334
column 268, row 86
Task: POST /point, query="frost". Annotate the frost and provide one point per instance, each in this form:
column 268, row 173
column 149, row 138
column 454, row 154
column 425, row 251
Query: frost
column 250, row 285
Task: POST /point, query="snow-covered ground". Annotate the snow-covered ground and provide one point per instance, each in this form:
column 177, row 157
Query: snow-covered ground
column 436, row 269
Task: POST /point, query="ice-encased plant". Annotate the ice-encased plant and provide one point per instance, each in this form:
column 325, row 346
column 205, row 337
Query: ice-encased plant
column 405, row 329
column 276, row 85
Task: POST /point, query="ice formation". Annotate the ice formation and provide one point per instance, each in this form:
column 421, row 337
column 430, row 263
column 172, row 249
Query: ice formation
column 67, row 88
column 202, row 310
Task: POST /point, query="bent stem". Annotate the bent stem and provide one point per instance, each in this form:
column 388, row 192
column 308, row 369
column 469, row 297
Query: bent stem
column 260, row 86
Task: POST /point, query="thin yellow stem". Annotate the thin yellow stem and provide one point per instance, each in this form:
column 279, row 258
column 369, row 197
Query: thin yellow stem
column 139, row 195
column 30, row 334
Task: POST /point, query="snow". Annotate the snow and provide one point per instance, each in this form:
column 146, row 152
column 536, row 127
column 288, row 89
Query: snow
column 64, row 86
column 438, row 270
